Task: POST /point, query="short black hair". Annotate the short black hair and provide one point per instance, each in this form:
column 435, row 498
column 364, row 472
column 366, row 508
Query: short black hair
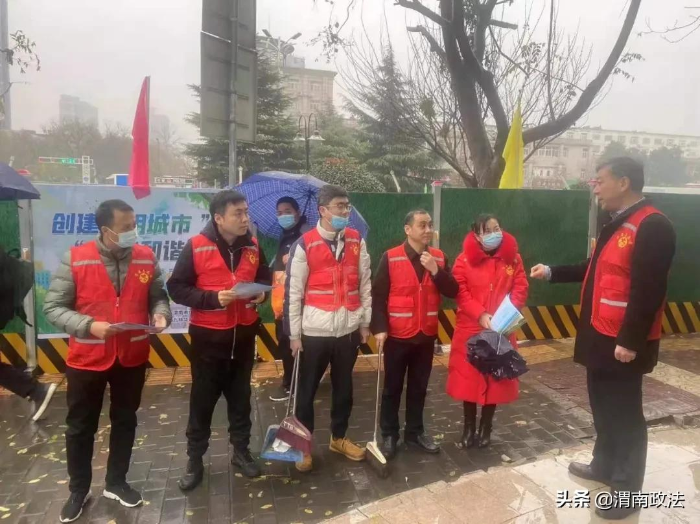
column 481, row 221
column 410, row 217
column 328, row 192
column 288, row 200
column 626, row 167
column 104, row 216
column 223, row 199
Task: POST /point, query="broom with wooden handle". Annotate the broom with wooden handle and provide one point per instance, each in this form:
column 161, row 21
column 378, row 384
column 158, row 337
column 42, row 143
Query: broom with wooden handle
column 375, row 457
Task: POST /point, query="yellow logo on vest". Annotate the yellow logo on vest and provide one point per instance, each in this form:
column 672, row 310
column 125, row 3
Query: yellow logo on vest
column 252, row 258
column 510, row 271
column 355, row 249
column 143, row 276
column 624, row 240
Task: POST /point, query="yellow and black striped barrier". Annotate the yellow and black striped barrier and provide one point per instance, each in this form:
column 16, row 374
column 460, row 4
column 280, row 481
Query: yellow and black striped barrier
column 543, row 323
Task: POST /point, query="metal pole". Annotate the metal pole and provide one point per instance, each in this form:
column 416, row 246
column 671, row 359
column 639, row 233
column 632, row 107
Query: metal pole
column 437, row 213
column 592, row 222
column 232, row 160
column 26, row 238
column 6, row 122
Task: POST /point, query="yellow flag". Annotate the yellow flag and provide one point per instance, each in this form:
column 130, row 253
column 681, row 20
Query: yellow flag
column 514, row 155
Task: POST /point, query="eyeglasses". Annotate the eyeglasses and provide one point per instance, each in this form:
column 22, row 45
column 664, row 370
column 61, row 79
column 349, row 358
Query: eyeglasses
column 342, row 207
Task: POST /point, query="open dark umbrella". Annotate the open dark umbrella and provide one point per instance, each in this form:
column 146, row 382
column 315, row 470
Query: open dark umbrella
column 263, row 190
column 14, row 186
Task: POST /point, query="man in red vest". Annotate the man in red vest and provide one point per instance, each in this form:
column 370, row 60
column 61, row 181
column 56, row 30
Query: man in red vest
column 328, row 309
column 223, row 327
column 622, row 304
column 104, row 282
column 405, row 306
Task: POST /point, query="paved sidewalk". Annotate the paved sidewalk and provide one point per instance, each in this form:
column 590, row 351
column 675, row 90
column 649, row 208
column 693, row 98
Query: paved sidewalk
column 551, row 417
column 527, row 494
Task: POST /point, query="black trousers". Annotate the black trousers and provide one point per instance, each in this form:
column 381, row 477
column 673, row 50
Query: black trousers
column 85, row 395
column 284, row 353
column 210, row 379
column 16, row 380
column 620, row 450
column 319, row 352
column 401, row 359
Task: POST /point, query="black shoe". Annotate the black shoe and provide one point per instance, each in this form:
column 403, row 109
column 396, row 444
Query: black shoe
column 484, row 435
column 124, row 494
column 73, row 507
column 389, row 447
column 280, row 395
column 616, row 512
column 586, row 472
column 424, row 442
column 469, row 437
column 41, row 397
column 193, row 475
column 244, row 460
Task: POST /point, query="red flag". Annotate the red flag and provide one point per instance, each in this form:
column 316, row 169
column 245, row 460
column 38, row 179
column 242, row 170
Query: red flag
column 139, row 171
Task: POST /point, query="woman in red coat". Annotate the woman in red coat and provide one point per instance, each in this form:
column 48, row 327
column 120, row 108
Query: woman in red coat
column 488, row 269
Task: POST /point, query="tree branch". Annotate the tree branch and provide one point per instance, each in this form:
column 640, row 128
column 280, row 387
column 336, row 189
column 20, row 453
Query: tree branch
column 549, row 61
column 415, row 5
column 434, row 45
column 589, row 94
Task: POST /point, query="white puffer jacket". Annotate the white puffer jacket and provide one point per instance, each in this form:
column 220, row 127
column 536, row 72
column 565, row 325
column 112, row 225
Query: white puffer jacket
column 313, row 322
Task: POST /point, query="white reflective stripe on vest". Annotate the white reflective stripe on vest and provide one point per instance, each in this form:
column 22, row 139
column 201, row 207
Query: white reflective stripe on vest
column 353, row 292
column 439, row 259
column 613, row 303
column 316, row 292
column 432, row 313
column 314, row 244
column 398, row 259
column 352, row 240
column 401, row 315
column 87, row 263
column 93, row 341
column 139, row 338
column 630, row 226
column 143, row 262
column 205, row 248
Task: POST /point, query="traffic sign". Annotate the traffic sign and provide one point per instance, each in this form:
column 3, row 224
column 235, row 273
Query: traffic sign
column 65, row 161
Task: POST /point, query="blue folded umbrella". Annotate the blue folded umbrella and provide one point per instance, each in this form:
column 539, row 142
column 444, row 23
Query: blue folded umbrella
column 263, row 190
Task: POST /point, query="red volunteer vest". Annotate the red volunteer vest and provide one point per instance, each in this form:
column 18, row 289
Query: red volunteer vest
column 612, row 280
column 332, row 284
column 412, row 306
column 96, row 297
column 213, row 274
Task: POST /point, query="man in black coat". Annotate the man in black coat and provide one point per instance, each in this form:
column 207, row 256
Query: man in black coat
column 622, row 305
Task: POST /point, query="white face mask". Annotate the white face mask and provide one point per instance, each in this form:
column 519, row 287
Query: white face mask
column 127, row 239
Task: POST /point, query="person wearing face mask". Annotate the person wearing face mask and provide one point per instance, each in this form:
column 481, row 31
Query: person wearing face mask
column 327, row 313
column 293, row 225
column 488, row 269
column 223, row 327
column 106, row 281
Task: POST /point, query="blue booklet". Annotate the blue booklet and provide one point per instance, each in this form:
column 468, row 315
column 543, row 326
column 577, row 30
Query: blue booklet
column 507, row 318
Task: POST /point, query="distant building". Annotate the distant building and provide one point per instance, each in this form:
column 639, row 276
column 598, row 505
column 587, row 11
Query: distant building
column 311, row 90
column 574, row 155
column 73, row 109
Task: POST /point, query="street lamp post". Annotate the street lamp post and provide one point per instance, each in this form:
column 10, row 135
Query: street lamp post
column 283, row 47
column 304, row 135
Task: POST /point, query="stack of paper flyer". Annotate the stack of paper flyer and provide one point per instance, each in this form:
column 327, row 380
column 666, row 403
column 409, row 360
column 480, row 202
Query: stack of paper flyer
column 507, row 318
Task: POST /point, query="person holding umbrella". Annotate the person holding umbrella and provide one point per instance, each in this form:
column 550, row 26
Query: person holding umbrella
column 328, row 309
column 223, row 327
column 488, row 269
column 293, row 225
column 406, row 301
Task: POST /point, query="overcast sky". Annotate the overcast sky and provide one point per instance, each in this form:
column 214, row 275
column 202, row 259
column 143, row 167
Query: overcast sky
column 100, row 51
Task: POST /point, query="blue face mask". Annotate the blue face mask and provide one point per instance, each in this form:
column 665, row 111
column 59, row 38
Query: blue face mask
column 492, row 241
column 286, row 221
column 339, row 223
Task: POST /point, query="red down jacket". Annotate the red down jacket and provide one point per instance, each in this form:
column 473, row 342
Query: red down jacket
column 484, row 281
